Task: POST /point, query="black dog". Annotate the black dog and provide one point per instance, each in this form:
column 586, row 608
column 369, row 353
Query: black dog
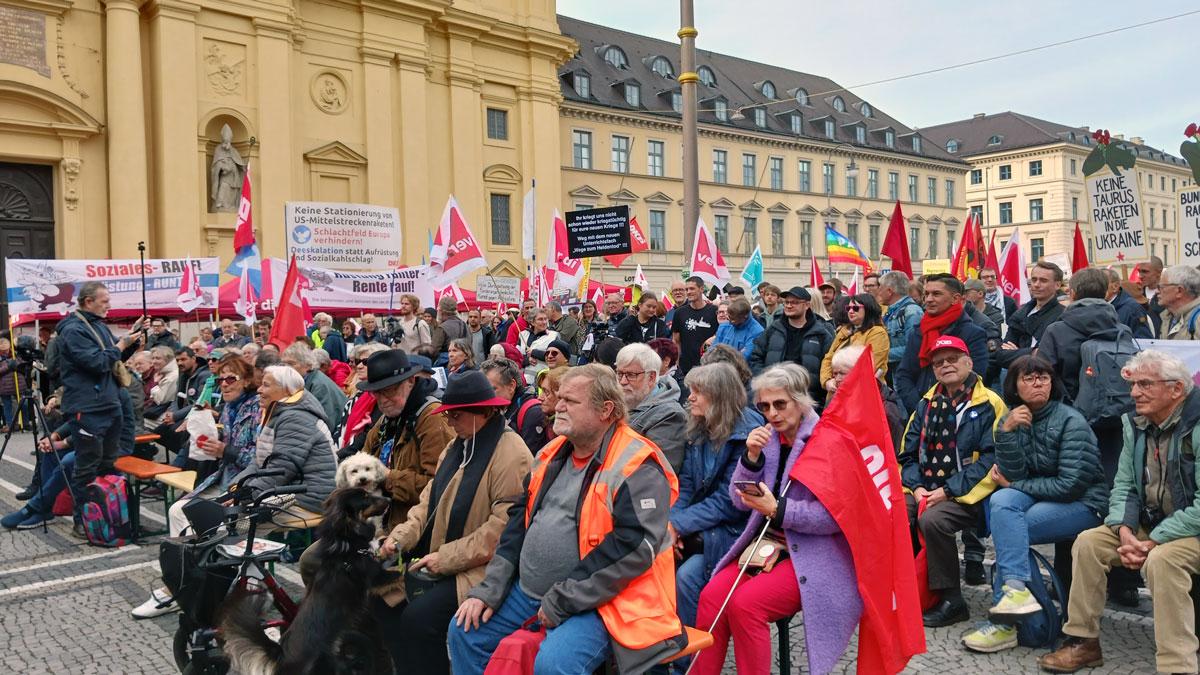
column 334, row 631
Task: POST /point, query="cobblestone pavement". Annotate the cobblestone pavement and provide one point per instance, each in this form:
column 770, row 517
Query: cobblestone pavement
column 64, row 607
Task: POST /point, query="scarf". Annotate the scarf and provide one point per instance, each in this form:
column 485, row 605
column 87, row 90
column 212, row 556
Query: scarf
column 939, row 433
column 932, row 327
column 996, row 299
column 359, row 416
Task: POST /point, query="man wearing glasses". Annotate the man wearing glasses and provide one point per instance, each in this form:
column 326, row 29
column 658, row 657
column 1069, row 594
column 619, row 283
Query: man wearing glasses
column 1153, row 524
column 1179, row 295
column 653, row 402
column 802, row 337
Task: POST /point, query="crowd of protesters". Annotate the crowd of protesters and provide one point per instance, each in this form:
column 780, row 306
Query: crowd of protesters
column 605, row 470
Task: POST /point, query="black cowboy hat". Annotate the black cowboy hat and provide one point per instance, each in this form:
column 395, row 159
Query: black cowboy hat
column 470, row 390
column 387, row 368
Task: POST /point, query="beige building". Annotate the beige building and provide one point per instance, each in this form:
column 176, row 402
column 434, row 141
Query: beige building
column 1028, row 173
column 775, row 149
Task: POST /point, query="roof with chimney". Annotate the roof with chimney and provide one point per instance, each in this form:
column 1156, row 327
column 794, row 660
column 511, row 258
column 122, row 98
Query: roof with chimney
column 1007, row 131
column 613, row 59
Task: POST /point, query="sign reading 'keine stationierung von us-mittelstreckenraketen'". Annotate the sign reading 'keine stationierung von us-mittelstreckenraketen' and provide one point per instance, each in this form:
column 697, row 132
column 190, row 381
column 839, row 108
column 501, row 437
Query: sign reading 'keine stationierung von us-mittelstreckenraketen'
column 1118, row 233
column 343, row 236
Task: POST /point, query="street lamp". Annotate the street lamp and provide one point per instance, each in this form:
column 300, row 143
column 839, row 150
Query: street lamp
column 687, row 88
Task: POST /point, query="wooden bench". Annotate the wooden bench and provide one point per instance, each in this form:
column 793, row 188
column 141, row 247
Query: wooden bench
column 143, row 446
column 140, row 473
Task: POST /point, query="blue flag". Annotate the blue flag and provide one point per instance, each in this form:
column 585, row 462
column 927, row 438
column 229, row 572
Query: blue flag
column 753, row 273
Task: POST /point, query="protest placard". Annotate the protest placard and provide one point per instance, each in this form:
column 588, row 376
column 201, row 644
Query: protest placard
column 343, row 236
column 498, row 289
column 1189, row 227
column 1118, row 233
column 598, row 232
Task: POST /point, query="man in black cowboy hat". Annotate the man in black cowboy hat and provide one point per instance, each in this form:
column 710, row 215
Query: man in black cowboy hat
column 409, row 437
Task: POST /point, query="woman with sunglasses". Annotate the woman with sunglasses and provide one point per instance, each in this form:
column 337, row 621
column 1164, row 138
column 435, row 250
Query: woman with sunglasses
column 864, row 327
column 451, row 534
column 233, row 453
column 803, row 557
column 360, row 412
column 1051, row 488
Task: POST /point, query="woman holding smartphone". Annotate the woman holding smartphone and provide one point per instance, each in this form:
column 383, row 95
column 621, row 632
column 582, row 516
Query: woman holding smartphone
column 820, row 573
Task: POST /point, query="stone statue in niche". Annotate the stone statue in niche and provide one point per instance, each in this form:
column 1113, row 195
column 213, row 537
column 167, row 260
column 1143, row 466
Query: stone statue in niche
column 225, row 175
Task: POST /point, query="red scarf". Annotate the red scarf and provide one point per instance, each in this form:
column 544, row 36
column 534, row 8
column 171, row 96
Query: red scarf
column 931, row 329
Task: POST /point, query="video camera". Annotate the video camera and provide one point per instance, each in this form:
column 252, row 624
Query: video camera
column 27, row 352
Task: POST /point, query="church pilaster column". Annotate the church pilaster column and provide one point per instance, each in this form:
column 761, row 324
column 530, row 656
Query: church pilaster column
column 125, row 126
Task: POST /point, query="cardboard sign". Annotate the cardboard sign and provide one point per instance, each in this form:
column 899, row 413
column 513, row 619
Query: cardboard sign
column 498, row 289
column 935, row 266
column 598, row 232
column 332, row 290
column 1118, row 233
column 343, row 236
column 1189, row 227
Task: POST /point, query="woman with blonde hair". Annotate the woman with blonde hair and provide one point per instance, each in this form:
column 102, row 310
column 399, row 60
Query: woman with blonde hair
column 817, row 304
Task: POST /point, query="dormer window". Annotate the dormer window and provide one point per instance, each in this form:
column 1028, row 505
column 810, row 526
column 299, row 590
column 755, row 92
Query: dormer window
column 838, row 104
column 996, row 139
column 707, row 78
column 583, row 84
column 801, row 97
column 768, row 89
column 889, row 138
column 797, row 123
column 829, row 129
column 860, row 134
column 760, row 118
column 616, row 58
column 662, row 66
column 867, row 111
column 677, row 102
column 633, row 94
column 916, row 144
column 721, row 110
column 952, row 146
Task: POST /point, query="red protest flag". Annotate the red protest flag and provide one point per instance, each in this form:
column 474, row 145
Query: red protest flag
column 707, row 262
column 895, row 244
column 850, row 466
column 962, row 254
column 815, row 278
column 455, row 250
column 637, row 240
column 1079, row 258
column 289, row 313
column 992, row 262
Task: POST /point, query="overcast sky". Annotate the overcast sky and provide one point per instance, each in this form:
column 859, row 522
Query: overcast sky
column 1134, row 82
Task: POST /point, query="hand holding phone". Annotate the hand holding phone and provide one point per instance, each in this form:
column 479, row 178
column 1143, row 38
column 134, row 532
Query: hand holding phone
column 748, row 487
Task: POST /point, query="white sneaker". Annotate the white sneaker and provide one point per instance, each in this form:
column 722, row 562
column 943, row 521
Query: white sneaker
column 155, row 606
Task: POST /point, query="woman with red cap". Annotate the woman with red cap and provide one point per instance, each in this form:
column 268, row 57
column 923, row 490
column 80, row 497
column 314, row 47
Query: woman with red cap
column 451, row 534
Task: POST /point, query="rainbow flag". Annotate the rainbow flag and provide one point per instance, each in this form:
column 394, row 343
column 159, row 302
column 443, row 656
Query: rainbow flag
column 840, row 249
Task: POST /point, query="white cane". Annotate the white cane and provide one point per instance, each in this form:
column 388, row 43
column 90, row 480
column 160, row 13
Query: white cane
column 741, row 573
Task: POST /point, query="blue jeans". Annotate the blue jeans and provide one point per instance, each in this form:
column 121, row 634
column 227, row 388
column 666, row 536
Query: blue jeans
column 689, row 581
column 578, row 645
column 53, row 482
column 1018, row 521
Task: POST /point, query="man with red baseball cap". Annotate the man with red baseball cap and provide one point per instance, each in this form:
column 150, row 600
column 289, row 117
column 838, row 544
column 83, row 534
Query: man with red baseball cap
column 945, row 458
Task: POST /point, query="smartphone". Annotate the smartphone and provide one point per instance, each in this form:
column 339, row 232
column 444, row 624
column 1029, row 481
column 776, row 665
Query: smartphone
column 748, row 487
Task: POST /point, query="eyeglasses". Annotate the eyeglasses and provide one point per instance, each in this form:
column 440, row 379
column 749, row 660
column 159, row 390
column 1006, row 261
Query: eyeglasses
column 780, row 405
column 626, row 375
column 949, row 359
column 229, row 379
column 1036, row 378
column 1145, row 384
column 854, row 308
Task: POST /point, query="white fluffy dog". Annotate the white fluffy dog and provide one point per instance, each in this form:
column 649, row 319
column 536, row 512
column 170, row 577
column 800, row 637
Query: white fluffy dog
column 362, row 470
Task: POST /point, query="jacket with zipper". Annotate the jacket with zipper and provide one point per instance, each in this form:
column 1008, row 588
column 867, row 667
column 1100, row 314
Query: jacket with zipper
column 874, row 338
column 1055, row 460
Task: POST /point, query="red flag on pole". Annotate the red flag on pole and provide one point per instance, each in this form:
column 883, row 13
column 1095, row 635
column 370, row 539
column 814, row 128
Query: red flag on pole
column 1079, row 258
column 637, row 239
column 815, row 278
column 289, row 314
column 455, row 249
column 1012, row 277
column 961, row 261
column 850, row 466
column 707, row 262
column 190, row 294
column 895, row 244
column 992, row 262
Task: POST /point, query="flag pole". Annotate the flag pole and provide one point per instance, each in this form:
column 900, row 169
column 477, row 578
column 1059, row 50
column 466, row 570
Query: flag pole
column 533, row 249
column 142, row 268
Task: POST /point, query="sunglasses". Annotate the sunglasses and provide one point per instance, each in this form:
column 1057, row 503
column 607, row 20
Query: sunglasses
column 229, row 379
column 780, row 405
column 854, row 308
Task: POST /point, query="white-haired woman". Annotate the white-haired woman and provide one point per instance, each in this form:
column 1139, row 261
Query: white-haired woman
column 799, row 528
column 704, row 520
column 293, row 437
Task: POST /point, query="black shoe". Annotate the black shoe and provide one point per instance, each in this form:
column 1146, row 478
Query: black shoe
column 946, row 613
column 78, row 532
column 27, row 493
column 1126, row 597
column 973, row 574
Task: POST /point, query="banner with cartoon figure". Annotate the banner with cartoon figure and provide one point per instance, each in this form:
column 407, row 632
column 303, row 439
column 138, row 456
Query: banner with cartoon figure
column 46, row 289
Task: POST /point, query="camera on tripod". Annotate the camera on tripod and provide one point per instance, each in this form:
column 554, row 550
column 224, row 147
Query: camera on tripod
column 26, row 352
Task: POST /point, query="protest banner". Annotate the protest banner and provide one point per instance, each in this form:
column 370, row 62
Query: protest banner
column 498, row 289
column 343, row 236
column 1189, row 227
column 598, row 232
column 1118, row 233
column 335, row 291
column 46, row 289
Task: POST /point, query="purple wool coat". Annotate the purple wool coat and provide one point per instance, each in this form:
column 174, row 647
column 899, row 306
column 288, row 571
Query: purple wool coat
column 819, row 553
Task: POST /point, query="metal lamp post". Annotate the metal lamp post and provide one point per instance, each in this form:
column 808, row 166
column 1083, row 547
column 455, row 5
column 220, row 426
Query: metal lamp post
column 687, row 88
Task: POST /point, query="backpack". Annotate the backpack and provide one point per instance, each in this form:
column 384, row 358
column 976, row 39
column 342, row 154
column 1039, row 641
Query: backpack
column 1044, row 628
column 1103, row 393
column 524, row 409
column 106, row 512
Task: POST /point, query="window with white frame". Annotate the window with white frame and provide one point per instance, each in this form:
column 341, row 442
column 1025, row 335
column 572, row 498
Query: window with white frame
column 655, row 158
column 581, row 149
column 776, row 170
column 720, row 166
column 872, row 183
column 620, row 154
column 658, row 230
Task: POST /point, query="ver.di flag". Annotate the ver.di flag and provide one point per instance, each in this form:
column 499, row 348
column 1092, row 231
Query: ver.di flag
column 245, row 247
column 567, row 270
column 752, row 274
column 637, row 241
column 190, row 294
column 707, row 261
column 1013, row 281
column 455, row 249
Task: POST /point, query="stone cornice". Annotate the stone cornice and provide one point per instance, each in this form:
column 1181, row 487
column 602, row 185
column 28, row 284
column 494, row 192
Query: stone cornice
column 50, row 7
column 1063, row 147
column 172, row 9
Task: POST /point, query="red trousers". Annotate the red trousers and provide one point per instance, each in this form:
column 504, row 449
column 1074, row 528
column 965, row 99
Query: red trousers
column 758, row 601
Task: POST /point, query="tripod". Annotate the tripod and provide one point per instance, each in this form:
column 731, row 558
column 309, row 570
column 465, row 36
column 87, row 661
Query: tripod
column 32, row 393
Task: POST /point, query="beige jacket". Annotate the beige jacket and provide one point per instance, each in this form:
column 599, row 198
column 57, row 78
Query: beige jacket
column 467, row 557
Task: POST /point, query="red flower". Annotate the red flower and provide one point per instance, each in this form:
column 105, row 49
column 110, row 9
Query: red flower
column 1097, row 135
column 1190, row 131
column 1107, row 137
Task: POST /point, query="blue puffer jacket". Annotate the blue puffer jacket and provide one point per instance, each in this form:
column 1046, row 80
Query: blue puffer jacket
column 704, row 504
column 900, row 320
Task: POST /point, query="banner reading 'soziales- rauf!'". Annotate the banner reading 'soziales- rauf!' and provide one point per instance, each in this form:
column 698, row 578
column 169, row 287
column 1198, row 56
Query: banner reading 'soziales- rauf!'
column 46, row 289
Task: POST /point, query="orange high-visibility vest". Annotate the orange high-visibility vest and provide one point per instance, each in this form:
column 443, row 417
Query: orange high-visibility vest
column 643, row 613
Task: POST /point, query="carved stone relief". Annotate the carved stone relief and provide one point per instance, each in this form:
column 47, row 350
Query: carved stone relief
column 70, row 169
column 330, row 92
column 224, row 67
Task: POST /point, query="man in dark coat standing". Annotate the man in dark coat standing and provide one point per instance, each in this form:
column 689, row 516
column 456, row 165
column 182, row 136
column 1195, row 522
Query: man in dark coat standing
column 1025, row 327
column 1129, row 311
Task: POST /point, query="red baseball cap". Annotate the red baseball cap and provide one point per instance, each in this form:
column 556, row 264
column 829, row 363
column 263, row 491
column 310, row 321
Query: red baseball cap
column 950, row 342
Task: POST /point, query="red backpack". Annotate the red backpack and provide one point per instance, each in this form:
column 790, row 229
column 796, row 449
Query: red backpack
column 516, row 653
column 524, row 409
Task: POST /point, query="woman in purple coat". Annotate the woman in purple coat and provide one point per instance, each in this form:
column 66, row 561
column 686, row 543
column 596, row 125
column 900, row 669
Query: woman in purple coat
column 820, row 575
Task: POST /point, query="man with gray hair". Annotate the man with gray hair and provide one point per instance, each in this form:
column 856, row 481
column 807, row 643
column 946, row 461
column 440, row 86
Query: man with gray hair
column 449, row 328
column 653, row 401
column 903, row 314
column 1129, row 311
column 1152, row 525
column 331, row 398
column 565, row 325
column 1179, row 296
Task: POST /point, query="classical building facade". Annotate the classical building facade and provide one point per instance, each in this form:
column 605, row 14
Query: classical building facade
column 1027, row 173
column 775, row 151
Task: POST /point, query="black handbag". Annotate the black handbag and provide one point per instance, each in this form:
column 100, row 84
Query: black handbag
column 417, row 582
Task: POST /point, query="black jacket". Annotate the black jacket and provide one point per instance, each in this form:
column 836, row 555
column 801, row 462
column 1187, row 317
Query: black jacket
column 912, row 381
column 190, row 388
column 988, row 320
column 1081, row 321
column 84, row 367
column 806, row 347
column 165, row 339
column 1023, row 327
column 630, row 329
column 1132, row 314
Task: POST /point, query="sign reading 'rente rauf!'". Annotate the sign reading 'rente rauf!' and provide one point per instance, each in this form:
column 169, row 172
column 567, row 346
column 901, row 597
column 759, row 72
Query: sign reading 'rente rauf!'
column 1118, row 233
column 598, row 232
column 1189, row 227
column 343, row 236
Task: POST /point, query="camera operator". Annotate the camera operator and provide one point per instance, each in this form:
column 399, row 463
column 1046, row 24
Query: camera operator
column 13, row 382
column 91, row 400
